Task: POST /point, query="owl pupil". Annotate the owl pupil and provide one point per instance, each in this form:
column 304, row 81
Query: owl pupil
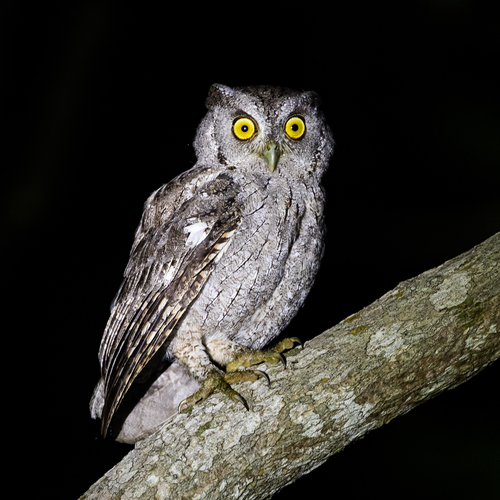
column 244, row 128
column 295, row 127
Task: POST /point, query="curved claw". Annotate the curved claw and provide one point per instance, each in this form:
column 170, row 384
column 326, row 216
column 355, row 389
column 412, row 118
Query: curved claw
column 238, row 397
column 263, row 375
column 287, row 344
column 298, row 341
column 282, row 359
column 179, row 408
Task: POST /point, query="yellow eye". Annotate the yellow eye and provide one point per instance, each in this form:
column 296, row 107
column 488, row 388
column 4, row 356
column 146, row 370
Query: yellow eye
column 295, row 127
column 244, row 128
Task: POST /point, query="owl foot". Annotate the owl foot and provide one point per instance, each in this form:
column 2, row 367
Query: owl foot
column 221, row 383
column 273, row 356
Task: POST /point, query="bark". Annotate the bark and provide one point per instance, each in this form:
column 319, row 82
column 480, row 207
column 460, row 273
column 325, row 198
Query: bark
column 431, row 333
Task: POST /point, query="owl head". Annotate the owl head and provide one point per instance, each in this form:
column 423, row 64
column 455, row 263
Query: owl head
column 273, row 129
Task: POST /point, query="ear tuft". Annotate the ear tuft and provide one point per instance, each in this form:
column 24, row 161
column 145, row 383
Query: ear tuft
column 312, row 99
column 218, row 95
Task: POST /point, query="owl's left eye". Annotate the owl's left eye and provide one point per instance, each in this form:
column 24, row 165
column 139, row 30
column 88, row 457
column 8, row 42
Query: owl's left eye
column 295, row 127
column 244, row 128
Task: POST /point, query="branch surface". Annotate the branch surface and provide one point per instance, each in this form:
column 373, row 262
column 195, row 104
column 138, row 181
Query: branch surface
column 431, row 333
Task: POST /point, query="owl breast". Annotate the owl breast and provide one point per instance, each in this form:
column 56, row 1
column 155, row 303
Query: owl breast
column 265, row 273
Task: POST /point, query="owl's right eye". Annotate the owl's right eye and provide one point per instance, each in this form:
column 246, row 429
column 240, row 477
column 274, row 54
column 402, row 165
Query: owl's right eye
column 244, row 128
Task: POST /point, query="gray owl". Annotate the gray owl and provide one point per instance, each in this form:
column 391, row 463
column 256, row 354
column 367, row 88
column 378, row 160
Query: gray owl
column 223, row 258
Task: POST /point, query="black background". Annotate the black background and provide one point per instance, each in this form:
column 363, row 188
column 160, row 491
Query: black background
column 100, row 103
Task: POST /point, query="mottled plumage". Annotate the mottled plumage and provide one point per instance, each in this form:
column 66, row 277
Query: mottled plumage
column 224, row 256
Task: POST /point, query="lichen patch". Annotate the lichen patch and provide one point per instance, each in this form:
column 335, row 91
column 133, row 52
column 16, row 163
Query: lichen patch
column 386, row 341
column 452, row 292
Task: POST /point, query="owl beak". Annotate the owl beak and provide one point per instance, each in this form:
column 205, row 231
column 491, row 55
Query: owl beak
column 271, row 154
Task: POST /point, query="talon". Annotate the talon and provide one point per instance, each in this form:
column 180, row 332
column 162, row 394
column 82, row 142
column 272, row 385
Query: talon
column 282, row 359
column 264, row 375
column 288, row 343
column 275, row 357
column 298, row 341
column 240, row 398
column 181, row 404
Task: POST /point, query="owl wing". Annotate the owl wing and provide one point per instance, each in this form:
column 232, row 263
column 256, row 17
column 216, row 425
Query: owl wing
column 170, row 262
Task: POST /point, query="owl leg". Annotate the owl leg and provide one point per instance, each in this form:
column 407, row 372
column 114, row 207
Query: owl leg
column 217, row 382
column 236, row 358
column 254, row 357
column 198, row 359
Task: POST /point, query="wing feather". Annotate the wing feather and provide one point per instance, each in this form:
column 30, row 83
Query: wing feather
column 164, row 275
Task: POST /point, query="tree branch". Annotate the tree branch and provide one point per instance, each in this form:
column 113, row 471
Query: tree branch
column 430, row 333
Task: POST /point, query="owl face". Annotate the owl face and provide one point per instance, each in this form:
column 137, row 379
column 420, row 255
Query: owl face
column 264, row 128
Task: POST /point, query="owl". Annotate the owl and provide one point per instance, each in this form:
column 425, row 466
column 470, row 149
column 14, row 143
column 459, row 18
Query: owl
column 224, row 256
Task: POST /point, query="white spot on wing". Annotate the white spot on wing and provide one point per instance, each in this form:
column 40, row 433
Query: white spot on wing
column 170, row 274
column 197, row 233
